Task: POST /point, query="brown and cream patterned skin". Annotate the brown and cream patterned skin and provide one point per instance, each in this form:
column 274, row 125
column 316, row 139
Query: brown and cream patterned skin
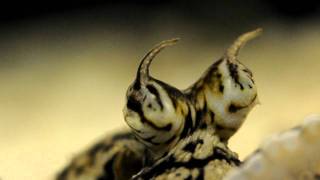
column 176, row 128
column 158, row 113
column 226, row 91
column 179, row 134
column 115, row 157
column 222, row 98
column 197, row 156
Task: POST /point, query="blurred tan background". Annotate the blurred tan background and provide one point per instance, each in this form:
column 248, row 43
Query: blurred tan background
column 63, row 75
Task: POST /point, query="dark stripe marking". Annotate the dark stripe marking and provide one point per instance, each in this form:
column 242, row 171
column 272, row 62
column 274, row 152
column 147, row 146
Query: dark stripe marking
column 187, row 125
column 173, row 92
column 154, row 91
column 198, row 85
column 188, row 178
column 63, row 175
column 201, row 174
column 150, row 140
column 79, row 170
column 95, row 149
column 151, row 124
column 203, row 126
column 108, row 170
column 134, row 105
column 214, row 66
column 212, row 115
column 121, row 136
column 234, row 107
column 171, row 162
column 92, row 153
column 219, row 128
column 221, row 88
column 137, row 84
column 191, row 146
column 170, row 140
column 200, row 114
column 248, row 71
column 233, row 71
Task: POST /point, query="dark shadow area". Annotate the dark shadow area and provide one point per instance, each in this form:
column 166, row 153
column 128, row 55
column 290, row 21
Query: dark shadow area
column 143, row 11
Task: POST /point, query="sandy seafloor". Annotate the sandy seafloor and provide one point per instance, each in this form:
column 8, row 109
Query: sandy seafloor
column 63, row 88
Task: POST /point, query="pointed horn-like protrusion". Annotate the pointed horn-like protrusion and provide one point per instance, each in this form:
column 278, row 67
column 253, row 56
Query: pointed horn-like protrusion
column 233, row 50
column 143, row 70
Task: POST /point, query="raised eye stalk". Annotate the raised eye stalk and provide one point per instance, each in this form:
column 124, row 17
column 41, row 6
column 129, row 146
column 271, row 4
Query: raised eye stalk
column 143, row 70
column 233, row 51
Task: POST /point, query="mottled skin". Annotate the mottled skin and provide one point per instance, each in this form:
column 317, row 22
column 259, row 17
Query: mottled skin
column 158, row 114
column 193, row 158
column 183, row 134
column 115, row 157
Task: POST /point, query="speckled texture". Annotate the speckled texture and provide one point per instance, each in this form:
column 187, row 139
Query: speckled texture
column 183, row 134
column 180, row 132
